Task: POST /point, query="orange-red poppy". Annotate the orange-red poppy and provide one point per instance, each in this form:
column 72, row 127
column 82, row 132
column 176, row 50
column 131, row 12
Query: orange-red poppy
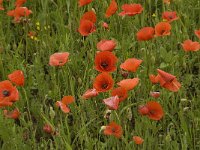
column 167, row 77
column 111, row 9
column 19, row 3
column 145, row 34
column 84, row 2
column 105, row 61
column 197, row 33
column 155, row 110
column 106, row 45
column 168, row 81
column 154, row 79
column 90, row 93
column 131, row 64
column 17, row 77
column 113, row 129
column 8, row 93
column 19, row 12
column 155, row 94
column 129, row 84
column 63, row 104
column 58, row 59
column 121, row 92
column 189, row 45
column 131, row 9
column 138, row 140
column 166, row 1
column 12, row 114
column 169, row 16
column 90, row 15
column 1, row 5
column 152, row 109
column 112, row 102
column 86, row 27
column 162, row 29
column 103, row 82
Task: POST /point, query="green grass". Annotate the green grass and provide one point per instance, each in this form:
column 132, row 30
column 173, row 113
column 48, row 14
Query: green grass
column 80, row 129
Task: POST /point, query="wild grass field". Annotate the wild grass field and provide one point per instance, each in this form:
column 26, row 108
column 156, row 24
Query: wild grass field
column 29, row 38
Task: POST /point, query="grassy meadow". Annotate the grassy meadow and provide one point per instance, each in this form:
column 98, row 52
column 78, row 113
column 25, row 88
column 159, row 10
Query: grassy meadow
column 55, row 24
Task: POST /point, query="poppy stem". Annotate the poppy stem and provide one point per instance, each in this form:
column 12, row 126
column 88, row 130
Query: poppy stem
column 27, row 103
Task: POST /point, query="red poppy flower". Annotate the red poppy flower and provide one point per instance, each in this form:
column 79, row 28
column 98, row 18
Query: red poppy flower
column 17, row 77
column 113, row 129
column 86, row 27
column 129, row 84
column 105, row 25
column 1, row 5
column 105, row 61
column 13, row 114
column 84, row 2
column 58, row 59
column 162, row 29
column 121, row 92
column 19, row 12
column 166, row 1
column 112, row 102
column 155, row 110
column 154, row 79
column 167, row 77
column 131, row 9
column 106, row 45
column 197, row 33
column 189, row 45
column 8, row 93
column 103, row 82
column 19, row 3
column 90, row 15
column 155, row 94
column 145, row 34
column 90, row 93
column 168, row 81
column 63, row 104
column 152, row 109
column 138, row 140
column 169, row 16
column 131, row 64
column 111, row 9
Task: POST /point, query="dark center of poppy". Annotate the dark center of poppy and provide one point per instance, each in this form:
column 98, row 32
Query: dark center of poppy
column 6, row 93
column 152, row 112
column 104, row 86
column 104, row 64
column 170, row 17
column 113, row 129
column 162, row 31
column 60, row 61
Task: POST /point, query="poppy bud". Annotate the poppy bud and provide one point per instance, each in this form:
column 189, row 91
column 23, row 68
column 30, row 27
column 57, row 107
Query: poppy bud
column 155, row 94
column 105, row 25
column 124, row 74
column 138, row 140
column 143, row 110
column 47, row 128
column 52, row 113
